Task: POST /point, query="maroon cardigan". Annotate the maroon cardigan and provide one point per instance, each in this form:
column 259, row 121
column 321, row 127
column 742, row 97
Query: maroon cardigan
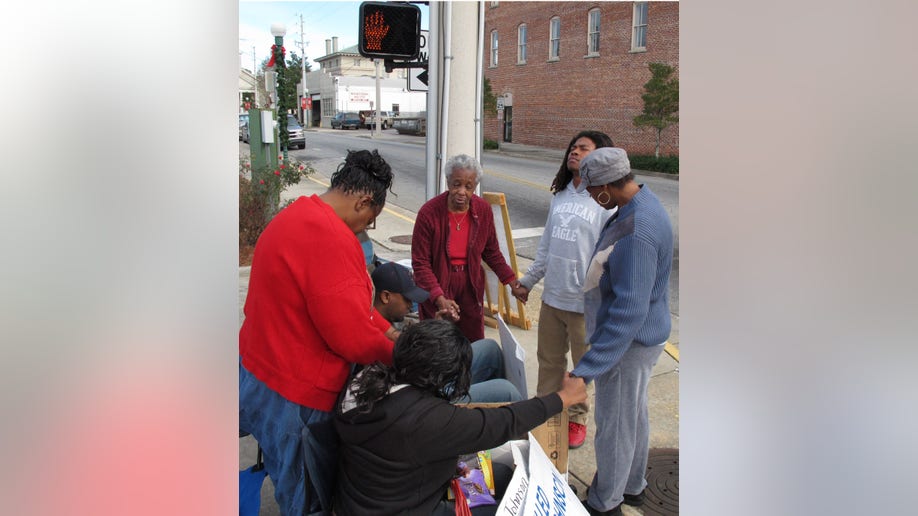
column 429, row 256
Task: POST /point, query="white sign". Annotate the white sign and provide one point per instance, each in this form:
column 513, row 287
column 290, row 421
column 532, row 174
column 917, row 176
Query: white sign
column 414, row 83
column 500, row 104
column 537, row 488
column 514, row 358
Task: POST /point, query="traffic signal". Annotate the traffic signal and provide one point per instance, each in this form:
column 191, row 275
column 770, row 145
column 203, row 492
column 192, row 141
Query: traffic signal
column 389, row 30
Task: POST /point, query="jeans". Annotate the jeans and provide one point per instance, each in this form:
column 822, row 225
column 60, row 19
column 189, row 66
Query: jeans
column 300, row 446
column 488, row 382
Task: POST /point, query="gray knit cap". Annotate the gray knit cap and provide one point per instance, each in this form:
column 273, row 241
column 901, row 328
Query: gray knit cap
column 603, row 166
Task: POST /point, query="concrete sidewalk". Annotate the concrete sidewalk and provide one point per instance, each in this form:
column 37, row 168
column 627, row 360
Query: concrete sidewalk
column 391, row 240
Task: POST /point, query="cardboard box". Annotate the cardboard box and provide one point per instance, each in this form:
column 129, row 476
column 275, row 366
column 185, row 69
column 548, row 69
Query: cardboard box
column 552, row 435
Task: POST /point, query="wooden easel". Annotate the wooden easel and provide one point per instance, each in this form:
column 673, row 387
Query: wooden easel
column 502, row 304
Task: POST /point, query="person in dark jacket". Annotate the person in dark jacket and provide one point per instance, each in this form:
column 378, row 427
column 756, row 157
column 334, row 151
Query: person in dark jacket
column 401, row 436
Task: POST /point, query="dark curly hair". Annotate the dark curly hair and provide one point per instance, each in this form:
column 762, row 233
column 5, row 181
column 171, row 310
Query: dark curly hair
column 565, row 176
column 432, row 355
column 364, row 171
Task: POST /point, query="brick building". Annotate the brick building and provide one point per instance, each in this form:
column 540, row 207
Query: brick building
column 562, row 67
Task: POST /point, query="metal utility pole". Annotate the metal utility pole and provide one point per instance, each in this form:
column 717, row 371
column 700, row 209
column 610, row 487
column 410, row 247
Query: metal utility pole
column 303, row 79
column 378, row 101
column 452, row 106
column 432, row 156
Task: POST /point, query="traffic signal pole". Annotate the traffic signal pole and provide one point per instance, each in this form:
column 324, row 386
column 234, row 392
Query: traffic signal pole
column 460, row 86
column 433, row 101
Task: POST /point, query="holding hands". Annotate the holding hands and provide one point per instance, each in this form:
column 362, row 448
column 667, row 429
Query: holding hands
column 519, row 291
column 573, row 390
column 447, row 309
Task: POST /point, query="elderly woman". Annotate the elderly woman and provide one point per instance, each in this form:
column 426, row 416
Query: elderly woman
column 453, row 233
column 401, row 436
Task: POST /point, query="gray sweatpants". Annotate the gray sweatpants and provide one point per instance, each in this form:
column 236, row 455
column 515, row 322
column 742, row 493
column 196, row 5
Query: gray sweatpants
column 622, row 427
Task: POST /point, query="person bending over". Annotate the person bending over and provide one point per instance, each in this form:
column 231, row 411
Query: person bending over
column 401, row 436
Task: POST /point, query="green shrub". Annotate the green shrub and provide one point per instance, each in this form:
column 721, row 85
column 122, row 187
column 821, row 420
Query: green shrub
column 667, row 164
column 490, row 145
column 253, row 213
column 259, row 198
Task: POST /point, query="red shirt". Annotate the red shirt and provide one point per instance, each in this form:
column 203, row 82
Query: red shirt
column 307, row 312
column 430, row 256
column 458, row 246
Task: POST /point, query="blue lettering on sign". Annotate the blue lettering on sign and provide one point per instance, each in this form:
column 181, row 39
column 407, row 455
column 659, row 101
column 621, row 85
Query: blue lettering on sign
column 559, row 501
column 543, row 506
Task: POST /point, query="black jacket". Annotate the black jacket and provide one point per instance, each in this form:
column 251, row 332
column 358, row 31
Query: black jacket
column 400, row 457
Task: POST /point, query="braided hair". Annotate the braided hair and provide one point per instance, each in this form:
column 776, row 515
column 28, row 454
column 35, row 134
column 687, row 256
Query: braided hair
column 364, row 171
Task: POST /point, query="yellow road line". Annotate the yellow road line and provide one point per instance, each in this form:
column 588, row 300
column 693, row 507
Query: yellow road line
column 387, row 210
column 672, row 350
column 518, row 180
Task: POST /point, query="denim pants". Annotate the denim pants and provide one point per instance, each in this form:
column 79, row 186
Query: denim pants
column 299, row 443
column 488, row 382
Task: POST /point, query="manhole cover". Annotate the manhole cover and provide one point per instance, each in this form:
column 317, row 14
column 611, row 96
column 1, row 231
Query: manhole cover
column 401, row 239
column 662, row 494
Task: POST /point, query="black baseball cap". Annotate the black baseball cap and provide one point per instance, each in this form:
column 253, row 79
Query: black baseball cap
column 397, row 278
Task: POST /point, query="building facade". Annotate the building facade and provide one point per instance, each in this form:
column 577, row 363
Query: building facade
column 346, row 82
column 558, row 68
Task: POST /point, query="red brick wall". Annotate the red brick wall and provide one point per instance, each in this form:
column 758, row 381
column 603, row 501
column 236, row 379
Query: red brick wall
column 552, row 101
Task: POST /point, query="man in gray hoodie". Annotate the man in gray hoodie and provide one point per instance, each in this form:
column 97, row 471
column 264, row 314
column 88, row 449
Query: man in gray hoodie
column 571, row 231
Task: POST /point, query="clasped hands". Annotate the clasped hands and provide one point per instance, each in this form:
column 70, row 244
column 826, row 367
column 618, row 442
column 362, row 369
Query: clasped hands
column 519, row 291
column 447, row 309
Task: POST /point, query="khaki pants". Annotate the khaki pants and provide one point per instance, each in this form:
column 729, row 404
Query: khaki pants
column 561, row 331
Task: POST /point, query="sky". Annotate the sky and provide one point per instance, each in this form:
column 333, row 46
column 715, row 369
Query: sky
column 321, row 21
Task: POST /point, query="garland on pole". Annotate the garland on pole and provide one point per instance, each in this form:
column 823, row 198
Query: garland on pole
column 277, row 59
column 283, row 52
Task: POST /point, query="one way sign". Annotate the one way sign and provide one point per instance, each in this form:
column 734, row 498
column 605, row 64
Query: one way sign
column 417, row 77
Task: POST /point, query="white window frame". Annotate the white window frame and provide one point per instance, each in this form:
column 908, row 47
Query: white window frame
column 591, row 51
column 494, row 43
column 522, row 34
column 639, row 26
column 554, row 38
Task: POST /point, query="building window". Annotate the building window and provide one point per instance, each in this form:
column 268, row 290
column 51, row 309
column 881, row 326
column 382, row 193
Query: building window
column 593, row 33
column 357, row 62
column 554, row 42
column 521, row 42
column 494, row 4
column 493, row 48
column 639, row 27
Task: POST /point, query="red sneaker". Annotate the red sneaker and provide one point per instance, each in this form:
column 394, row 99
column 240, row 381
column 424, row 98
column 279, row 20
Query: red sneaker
column 576, row 434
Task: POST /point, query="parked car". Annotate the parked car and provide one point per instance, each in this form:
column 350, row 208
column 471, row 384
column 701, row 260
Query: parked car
column 244, row 127
column 345, row 120
column 296, row 134
column 385, row 119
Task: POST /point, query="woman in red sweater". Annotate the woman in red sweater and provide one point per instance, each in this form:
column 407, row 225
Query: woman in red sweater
column 307, row 320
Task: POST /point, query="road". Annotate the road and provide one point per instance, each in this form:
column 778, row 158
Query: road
column 524, row 182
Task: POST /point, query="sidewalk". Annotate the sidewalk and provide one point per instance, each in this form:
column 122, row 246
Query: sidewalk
column 391, row 240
